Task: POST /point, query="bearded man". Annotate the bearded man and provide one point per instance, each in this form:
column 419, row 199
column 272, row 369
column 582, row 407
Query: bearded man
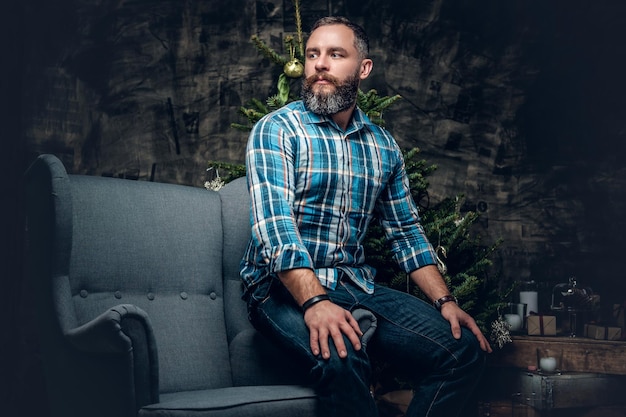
column 319, row 171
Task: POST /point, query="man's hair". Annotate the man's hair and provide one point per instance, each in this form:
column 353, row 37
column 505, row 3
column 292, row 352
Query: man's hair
column 361, row 40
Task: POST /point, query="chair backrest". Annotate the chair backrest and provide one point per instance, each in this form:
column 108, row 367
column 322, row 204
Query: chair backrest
column 236, row 226
column 254, row 359
column 157, row 246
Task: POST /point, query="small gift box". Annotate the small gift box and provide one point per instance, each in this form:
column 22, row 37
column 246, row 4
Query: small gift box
column 539, row 325
column 594, row 331
column 613, row 333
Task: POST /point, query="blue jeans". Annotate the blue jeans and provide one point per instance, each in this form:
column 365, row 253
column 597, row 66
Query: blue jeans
column 411, row 336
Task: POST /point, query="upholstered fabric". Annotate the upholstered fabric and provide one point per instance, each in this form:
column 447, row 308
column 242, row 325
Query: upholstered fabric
column 158, row 247
column 139, row 301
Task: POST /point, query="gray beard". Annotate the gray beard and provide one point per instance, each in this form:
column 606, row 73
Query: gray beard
column 343, row 98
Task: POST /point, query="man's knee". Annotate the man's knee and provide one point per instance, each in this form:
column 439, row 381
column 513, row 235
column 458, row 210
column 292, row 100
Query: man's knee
column 343, row 384
column 355, row 366
column 472, row 356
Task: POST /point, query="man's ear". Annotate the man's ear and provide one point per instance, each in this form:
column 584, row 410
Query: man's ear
column 366, row 67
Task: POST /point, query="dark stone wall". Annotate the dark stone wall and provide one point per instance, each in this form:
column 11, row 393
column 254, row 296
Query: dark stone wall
column 520, row 104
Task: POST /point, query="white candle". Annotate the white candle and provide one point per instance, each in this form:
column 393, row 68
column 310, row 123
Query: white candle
column 531, row 300
column 547, row 364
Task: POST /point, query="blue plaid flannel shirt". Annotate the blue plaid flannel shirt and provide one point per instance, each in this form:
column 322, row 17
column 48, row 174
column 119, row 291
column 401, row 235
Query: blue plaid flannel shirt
column 315, row 188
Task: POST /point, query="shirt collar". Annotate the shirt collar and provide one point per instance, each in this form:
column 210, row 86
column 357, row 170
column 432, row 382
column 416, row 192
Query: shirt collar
column 359, row 119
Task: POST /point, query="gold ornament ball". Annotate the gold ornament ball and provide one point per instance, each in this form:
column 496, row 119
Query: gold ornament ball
column 293, row 69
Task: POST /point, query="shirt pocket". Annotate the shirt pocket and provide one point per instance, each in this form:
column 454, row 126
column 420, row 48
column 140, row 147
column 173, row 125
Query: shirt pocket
column 366, row 185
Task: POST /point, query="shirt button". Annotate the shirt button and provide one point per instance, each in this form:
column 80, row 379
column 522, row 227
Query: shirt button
column 117, row 294
column 83, row 293
column 213, row 296
column 150, row 296
column 184, row 295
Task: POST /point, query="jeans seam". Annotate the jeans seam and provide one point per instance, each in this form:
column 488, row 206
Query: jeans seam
column 435, row 397
column 286, row 336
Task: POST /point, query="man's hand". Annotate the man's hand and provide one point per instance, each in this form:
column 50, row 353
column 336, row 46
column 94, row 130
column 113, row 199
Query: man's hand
column 325, row 321
column 432, row 283
column 457, row 318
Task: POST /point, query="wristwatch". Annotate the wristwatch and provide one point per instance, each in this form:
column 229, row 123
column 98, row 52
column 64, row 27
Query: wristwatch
column 438, row 303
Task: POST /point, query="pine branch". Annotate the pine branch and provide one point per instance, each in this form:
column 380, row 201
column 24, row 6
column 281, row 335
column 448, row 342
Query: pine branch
column 227, row 171
column 382, row 103
column 252, row 114
column 258, row 105
column 274, row 102
column 373, row 105
column 239, row 126
column 268, row 52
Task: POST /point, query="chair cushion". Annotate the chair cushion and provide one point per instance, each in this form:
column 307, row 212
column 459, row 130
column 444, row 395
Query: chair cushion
column 258, row 361
column 269, row 400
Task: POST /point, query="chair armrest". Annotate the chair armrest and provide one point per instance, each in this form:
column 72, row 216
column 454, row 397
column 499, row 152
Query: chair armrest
column 124, row 329
column 104, row 334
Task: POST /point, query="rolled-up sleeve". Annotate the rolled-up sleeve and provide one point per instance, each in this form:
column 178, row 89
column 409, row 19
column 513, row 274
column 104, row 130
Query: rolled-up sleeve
column 271, row 180
column 400, row 219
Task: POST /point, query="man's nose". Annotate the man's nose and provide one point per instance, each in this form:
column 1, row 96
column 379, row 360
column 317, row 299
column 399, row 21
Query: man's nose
column 321, row 63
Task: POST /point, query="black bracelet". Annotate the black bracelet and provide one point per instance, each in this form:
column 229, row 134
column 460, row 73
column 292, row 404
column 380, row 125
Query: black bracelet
column 440, row 302
column 314, row 300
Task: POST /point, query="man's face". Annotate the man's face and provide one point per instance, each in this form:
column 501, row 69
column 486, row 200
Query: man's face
column 333, row 70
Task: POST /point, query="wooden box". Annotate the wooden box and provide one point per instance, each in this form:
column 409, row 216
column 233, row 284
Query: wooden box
column 603, row 332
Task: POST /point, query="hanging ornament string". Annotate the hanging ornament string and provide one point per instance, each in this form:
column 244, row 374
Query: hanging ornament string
column 440, row 252
column 296, row 4
column 293, row 68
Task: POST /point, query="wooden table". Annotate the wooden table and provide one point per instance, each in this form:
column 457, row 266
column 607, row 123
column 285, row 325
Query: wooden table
column 578, row 354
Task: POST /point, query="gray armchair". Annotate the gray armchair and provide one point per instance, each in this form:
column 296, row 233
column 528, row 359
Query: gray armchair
column 139, row 301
